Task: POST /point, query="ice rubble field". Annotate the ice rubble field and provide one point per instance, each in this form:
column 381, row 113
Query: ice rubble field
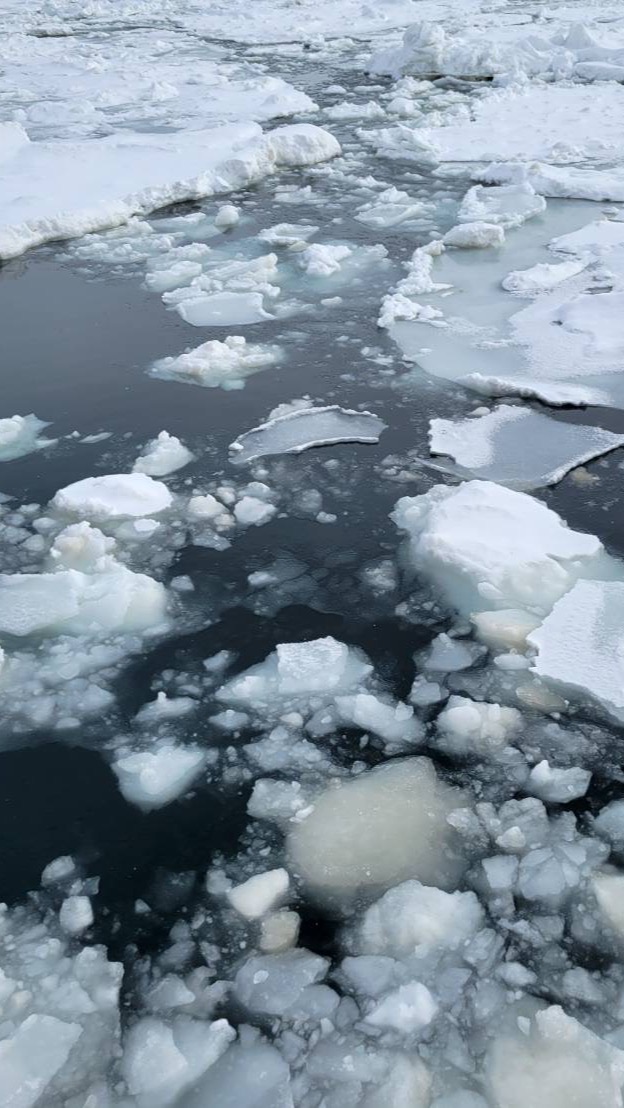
column 461, row 836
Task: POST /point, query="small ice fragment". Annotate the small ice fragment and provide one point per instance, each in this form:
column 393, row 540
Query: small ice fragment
column 76, row 914
column 163, row 455
column 408, row 1009
column 152, row 779
column 217, row 364
column 227, row 217
column 475, row 235
column 257, row 896
column 19, row 435
column 279, row 931
column 252, row 512
column 306, row 428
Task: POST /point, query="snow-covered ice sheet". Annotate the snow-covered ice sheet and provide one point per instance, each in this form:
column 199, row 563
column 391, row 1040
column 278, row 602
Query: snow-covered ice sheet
column 78, row 187
column 519, row 447
column 581, row 645
column 304, row 429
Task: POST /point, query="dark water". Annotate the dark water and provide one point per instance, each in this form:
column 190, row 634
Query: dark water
column 76, row 347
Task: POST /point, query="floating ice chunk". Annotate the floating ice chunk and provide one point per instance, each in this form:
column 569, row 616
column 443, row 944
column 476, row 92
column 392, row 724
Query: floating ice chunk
column 19, row 435
column 306, row 428
column 160, row 1060
column 608, row 889
column 224, row 309
column 81, row 546
column 401, row 302
column 346, row 110
column 490, row 547
column 253, row 512
column 276, row 984
column 217, row 364
column 279, row 931
column 31, row 1057
column 389, row 208
column 472, row 727
column 581, row 643
column 567, row 182
column 163, row 455
column 414, row 915
column 447, row 655
column 300, row 669
column 323, row 259
column 165, row 707
column 519, row 447
column 543, row 276
column 377, row 830
column 287, row 234
column 257, row 896
column 557, row 786
column 505, row 205
column 227, row 217
column 394, row 723
column 554, row 1061
column 114, row 496
column 250, row 1076
column 152, row 779
column 59, row 870
column 300, row 144
column 205, row 507
column 69, row 601
column 408, row 1009
column 475, row 235
column 610, row 823
column 76, row 914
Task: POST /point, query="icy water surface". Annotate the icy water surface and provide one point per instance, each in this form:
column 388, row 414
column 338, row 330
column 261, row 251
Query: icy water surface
column 315, row 761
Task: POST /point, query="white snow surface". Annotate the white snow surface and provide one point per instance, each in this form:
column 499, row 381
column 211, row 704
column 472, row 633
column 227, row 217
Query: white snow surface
column 79, row 187
column 114, row 496
column 217, row 364
column 163, row 455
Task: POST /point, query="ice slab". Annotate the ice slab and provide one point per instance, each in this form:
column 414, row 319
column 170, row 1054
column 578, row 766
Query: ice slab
column 217, row 364
column 161, row 1060
column 566, row 182
column 304, row 429
column 153, row 778
column 19, row 435
column 489, row 547
column 32, row 1056
column 260, row 894
column 505, row 206
column 80, row 187
column 518, row 447
column 387, row 825
column 114, row 496
column 413, row 915
column 580, row 644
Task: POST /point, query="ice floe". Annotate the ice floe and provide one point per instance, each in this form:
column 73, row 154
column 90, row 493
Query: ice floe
column 217, row 364
column 114, row 496
column 19, row 435
column 152, row 778
column 519, row 447
column 163, row 455
column 304, row 429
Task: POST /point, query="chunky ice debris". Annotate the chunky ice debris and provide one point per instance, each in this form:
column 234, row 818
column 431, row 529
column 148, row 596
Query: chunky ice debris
column 285, row 985
column 107, row 597
column 408, row 1009
column 370, row 833
column 391, row 207
column 580, row 645
column 80, row 187
column 557, row 786
column 323, row 259
column 163, row 455
column 60, row 1008
column 217, row 364
column 429, row 50
column 519, row 447
column 552, row 1059
column 252, row 511
column 153, row 778
column 261, row 893
column 469, row 727
column 19, row 435
column 76, row 914
column 394, row 723
column 227, row 217
column 114, row 496
column 412, row 916
column 304, row 429
column 476, row 234
column 287, row 234
column 488, row 547
column 253, row 1074
column 401, row 302
column 505, row 206
column 161, row 1060
column 297, row 670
